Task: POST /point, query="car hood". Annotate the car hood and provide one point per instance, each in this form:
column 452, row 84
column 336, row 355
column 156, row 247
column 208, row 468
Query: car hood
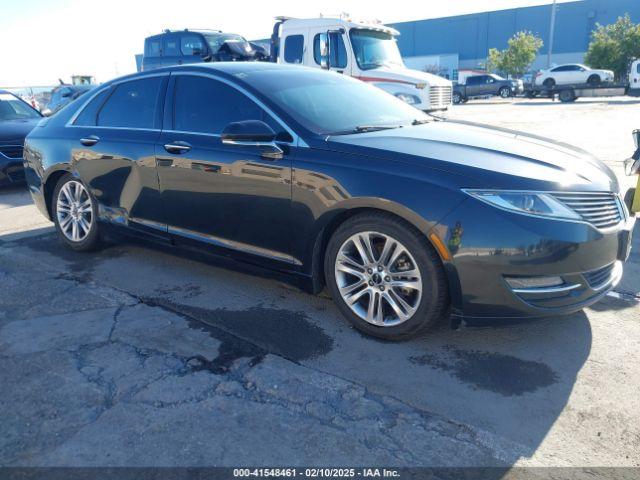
column 14, row 131
column 404, row 74
column 489, row 157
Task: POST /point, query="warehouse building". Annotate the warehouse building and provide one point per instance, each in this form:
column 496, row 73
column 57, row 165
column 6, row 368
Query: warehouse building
column 446, row 45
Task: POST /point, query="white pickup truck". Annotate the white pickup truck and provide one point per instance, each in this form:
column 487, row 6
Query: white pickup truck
column 367, row 51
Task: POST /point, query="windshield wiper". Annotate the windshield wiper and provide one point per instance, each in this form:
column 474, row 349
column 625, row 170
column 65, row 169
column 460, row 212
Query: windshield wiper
column 373, row 128
column 420, row 121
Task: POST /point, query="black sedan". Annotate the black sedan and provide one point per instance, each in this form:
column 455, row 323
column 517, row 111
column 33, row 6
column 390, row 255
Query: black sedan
column 17, row 119
column 404, row 217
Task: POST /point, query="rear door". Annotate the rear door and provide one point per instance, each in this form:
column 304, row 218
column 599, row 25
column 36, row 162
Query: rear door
column 113, row 150
column 219, row 194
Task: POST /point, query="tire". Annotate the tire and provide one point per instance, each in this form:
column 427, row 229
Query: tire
column 457, row 98
column 567, row 95
column 77, row 226
column 505, row 92
column 423, row 297
column 594, row 80
column 549, row 83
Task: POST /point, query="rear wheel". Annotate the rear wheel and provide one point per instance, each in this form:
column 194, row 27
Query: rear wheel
column 75, row 214
column 384, row 277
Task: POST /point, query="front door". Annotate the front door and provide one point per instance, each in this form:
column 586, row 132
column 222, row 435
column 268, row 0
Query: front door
column 338, row 54
column 224, row 195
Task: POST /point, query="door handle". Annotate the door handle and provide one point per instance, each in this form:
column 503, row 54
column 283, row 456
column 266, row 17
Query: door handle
column 90, row 140
column 177, row 147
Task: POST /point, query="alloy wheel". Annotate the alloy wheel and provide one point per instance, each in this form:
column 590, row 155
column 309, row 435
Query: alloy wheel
column 378, row 278
column 74, row 211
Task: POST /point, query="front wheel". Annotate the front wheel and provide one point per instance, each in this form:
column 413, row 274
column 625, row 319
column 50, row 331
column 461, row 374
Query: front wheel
column 385, row 278
column 457, row 98
column 75, row 214
column 594, row 80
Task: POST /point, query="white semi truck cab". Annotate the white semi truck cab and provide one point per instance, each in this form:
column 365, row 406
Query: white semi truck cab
column 367, row 51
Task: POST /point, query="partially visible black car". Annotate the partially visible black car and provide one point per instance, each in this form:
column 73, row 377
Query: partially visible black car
column 63, row 95
column 17, row 119
column 196, row 46
column 486, row 85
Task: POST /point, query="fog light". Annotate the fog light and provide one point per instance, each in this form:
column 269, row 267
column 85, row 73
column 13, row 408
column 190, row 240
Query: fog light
column 533, row 282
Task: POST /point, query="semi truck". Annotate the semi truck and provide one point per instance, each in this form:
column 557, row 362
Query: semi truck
column 366, row 51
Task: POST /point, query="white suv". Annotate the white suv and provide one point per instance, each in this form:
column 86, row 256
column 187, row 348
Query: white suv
column 572, row 74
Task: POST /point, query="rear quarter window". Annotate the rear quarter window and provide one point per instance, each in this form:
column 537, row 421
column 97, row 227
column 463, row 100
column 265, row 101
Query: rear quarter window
column 89, row 113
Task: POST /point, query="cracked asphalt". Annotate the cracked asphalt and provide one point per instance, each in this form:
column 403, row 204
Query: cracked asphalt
column 140, row 356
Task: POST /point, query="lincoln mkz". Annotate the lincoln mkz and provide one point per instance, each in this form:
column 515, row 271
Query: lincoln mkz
column 403, row 217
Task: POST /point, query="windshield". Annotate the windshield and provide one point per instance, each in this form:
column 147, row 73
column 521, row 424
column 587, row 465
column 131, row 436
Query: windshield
column 374, row 48
column 216, row 41
column 12, row 108
column 328, row 103
column 496, row 77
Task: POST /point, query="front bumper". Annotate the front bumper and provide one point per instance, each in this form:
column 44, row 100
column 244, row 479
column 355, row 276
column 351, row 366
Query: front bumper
column 489, row 245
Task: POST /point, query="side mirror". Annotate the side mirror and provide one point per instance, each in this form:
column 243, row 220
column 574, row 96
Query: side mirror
column 324, row 51
column 66, row 94
column 253, row 133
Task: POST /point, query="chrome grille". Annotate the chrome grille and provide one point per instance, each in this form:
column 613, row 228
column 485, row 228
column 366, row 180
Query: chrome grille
column 600, row 277
column 439, row 97
column 602, row 210
column 11, row 151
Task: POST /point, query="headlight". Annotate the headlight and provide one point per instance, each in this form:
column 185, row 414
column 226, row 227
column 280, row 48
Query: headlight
column 408, row 98
column 528, row 203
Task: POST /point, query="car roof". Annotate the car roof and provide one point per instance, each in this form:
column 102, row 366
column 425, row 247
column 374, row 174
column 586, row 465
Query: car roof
column 229, row 69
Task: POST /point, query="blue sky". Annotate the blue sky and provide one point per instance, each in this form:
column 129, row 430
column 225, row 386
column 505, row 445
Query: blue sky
column 43, row 40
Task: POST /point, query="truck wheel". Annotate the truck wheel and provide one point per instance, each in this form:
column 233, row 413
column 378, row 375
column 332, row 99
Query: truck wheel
column 594, row 80
column 567, row 95
column 505, row 92
column 457, row 98
column 385, row 277
column 549, row 83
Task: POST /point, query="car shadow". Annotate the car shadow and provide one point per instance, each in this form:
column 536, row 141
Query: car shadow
column 547, row 101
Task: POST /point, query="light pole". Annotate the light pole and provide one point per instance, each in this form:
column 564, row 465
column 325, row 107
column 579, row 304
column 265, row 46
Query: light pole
column 552, row 28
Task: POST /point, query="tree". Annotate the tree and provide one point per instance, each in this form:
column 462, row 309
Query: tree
column 613, row 46
column 522, row 50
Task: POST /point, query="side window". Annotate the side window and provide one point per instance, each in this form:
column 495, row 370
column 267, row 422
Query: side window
column 171, row 47
column 89, row 114
column 191, row 45
column 638, row 68
column 152, row 47
column 293, row 48
column 473, row 80
column 338, row 53
column 132, row 104
column 205, row 105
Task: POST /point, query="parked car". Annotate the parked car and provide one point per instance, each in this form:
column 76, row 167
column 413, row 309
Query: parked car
column 572, row 74
column 632, row 167
column 634, row 78
column 486, row 85
column 195, row 46
column 17, row 119
column 62, row 95
column 402, row 216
